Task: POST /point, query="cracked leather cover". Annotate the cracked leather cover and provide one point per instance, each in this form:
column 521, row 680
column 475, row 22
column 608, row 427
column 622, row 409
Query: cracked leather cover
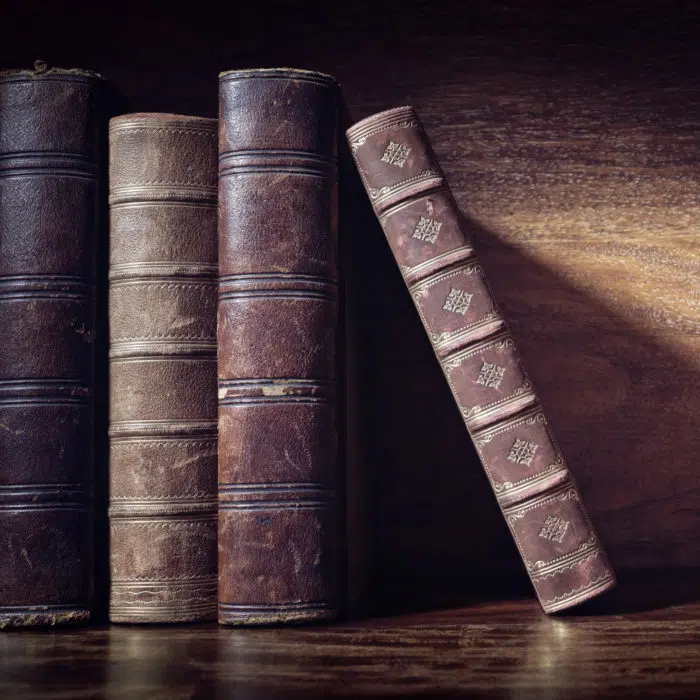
column 48, row 205
column 481, row 363
column 162, row 313
column 277, row 330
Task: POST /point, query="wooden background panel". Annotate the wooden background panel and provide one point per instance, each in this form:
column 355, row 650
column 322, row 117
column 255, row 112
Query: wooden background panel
column 577, row 171
column 570, row 138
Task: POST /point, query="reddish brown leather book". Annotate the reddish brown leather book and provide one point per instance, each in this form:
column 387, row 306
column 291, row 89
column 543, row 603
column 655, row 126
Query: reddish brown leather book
column 277, row 328
column 513, row 437
column 162, row 313
column 48, row 207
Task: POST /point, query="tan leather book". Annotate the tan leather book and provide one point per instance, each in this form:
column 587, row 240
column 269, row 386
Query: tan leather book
column 162, row 318
column 48, row 217
column 514, row 440
column 277, row 331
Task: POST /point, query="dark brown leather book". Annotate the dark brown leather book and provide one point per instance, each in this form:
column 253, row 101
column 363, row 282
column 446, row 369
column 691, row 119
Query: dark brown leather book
column 512, row 435
column 48, row 218
column 277, row 330
column 162, row 313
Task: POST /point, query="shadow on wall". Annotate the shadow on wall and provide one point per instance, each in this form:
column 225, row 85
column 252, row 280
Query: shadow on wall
column 623, row 406
column 625, row 409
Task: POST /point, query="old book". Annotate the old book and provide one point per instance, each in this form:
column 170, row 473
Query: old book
column 277, row 332
column 510, row 430
column 162, row 313
column 48, row 218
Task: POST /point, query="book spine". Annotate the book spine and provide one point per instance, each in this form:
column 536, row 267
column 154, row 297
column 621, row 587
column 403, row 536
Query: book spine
column 481, row 363
column 277, row 331
column 48, row 219
column 162, row 314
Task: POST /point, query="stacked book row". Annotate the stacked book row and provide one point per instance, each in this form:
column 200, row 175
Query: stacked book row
column 224, row 372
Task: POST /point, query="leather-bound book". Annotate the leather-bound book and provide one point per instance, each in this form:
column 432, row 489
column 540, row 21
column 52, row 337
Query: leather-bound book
column 277, row 331
column 162, row 314
column 48, row 219
column 510, row 430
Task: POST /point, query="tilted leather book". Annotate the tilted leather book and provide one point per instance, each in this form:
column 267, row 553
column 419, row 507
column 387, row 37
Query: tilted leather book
column 277, row 331
column 48, row 219
column 162, row 313
column 510, row 430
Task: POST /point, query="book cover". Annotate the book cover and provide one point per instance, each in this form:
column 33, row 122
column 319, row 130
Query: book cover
column 277, row 331
column 513, row 437
column 162, row 318
column 48, row 220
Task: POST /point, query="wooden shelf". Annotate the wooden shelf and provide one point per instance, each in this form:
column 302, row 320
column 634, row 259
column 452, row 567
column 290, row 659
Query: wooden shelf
column 505, row 649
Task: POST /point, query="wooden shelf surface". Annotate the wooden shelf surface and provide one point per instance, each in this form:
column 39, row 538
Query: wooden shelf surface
column 499, row 649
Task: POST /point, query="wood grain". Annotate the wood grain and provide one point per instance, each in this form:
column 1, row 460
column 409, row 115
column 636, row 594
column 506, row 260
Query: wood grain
column 569, row 135
column 579, row 185
column 501, row 649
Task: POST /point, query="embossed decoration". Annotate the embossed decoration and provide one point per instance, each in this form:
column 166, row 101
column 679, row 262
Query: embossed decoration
column 396, row 154
column 458, row 301
column 490, row 375
column 522, row 452
column 554, row 529
column 378, row 194
column 427, row 230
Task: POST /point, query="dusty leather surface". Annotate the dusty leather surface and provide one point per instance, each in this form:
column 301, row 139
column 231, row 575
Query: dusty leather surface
column 162, row 312
column 48, row 187
column 525, row 467
column 277, row 331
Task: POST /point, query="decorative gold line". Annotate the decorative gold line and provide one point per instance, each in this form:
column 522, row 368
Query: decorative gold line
column 456, row 255
column 582, row 593
column 469, row 267
column 490, row 432
column 567, row 489
column 585, row 552
column 387, row 194
column 457, row 338
column 516, row 487
column 206, row 127
column 400, row 117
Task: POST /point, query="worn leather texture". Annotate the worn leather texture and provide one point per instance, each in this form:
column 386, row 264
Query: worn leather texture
column 277, row 332
column 514, row 440
column 48, row 218
column 163, row 412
